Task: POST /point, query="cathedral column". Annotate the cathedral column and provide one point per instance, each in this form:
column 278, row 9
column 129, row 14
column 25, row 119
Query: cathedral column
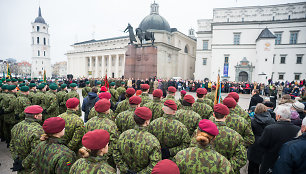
column 109, row 70
column 96, row 67
column 103, row 66
column 123, row 64
column 89, row 67
column 117, row 66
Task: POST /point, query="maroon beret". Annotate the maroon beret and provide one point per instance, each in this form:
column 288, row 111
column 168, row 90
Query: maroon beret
column 130, row 91
column 95, row 140
column 34, row 109
column 105, row 95
column 234, row 95
column 183, row 92
column 172, row 89
column 135, row 100
column 102, row 105
column 209, row 127
column 72, row 102
column 54, row 125
column 165, row 166
column 171, row 104
column 201, row 91
column 144, row 113
column 189, row 99
column 213, row 86
column 145, row 86
column 221, row 109
column 229, row 102
column 157, row 93
column 103, row 89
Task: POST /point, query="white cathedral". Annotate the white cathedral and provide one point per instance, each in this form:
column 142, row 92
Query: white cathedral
column 40, row 48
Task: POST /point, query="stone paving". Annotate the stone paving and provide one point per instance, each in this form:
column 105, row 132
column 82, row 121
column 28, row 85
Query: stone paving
column 6, row 161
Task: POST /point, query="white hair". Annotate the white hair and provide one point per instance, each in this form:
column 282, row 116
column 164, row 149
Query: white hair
column 304, row 122
column 283, row 111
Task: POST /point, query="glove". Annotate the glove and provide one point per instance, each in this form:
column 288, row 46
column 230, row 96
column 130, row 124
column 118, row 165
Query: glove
column 44, row 111
column 17, row 165
column 131, row 172
column 17, row 117
column 165, row 153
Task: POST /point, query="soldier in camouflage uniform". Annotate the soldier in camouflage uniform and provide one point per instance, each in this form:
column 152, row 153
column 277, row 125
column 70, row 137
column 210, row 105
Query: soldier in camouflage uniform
column 142, row 156
column 200, row 107
column 32, row 93
column 183, row 93
column 51, row 103
column 74, row 127
column 212, row 94
column 145, row 95
column 124, row 105
column 39, row 97
column 26, row 136
column 102, row 121
column 98, row 86
column 73, row 93
column 3, row 93
column 51, row 156
column 86, row 89
column 125, row 120
column 61, row 98
column 173, row 135
column 238, row 110
column 94, row 113
column 22, row 102
column 171, row 96
column 202, row 158
column 156, row 106
column 187, row 116
column 94, row 154
column 114, row 93
column 121, row 89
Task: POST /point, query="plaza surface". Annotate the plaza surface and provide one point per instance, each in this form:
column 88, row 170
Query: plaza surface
column 6, row 161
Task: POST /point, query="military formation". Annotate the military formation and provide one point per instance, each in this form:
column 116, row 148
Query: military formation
column 42, row 127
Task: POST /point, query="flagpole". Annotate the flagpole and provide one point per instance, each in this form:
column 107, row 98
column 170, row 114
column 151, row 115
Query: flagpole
column 217, row 88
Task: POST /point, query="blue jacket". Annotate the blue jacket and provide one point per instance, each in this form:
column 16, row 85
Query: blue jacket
column 292, row 157
column 88, row 103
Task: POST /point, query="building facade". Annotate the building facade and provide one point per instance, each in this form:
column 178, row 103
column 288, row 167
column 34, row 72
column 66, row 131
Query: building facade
column 59, row 69
column 24, row 69
column 253, row 44
column 40, row 48
column 175, row 52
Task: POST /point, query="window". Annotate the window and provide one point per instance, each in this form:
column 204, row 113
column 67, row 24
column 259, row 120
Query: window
column 44, row 53
column 32, row 40
column 37, row 28
column 38, row 53
column 37, row 40
column 227, row 19
column 297, row 76
column 242, row 19
column 273, row 58
column 293, row 37
column 299, row 59
column 226, row 59
column 204, row 61
column 205, row 44
column 283, row 59
column 266, row 59
column 278, row 39
column 281, row 77
column 44, row 41
column 289, row 17
column 273, row 18
column 186, row 49
column 236, row 38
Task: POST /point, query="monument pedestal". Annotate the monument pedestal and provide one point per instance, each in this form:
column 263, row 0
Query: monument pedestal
column 140, row 62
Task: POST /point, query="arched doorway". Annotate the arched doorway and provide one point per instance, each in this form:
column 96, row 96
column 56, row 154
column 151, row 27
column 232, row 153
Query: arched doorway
column 243, row 76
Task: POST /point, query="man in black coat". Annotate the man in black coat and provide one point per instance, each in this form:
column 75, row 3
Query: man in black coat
column 275, row 135
column 255, row 98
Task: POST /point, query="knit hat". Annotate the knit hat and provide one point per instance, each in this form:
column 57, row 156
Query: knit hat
column 145, row 86
column 34, row 109
column 105, row 95
column 53, row 125
column 234, row 95
column 130, row 91
column 72, row 103
column 202, row 91
column 171, row 104
column 165, row 166
column 171, row 89
column 96, row 140
column 299, row 106
column 144, row 113
column 209, row 127
column 221, row 109
column 183, row 92
column 189, row 99
column 229, row 102
column 102, row 105
column 157, row 93
column 135, row 100
column 24, row 89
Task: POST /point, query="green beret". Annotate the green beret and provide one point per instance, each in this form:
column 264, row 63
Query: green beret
column 31, row 85
column 112, row 84
column 5, row 86
column 72, row 85
column 0, row 84
column 20, row 80
column 44, row 83
column 122, row 83
column 41, row 80
column 87, row 82
column 3, row 79
column 8, row 80
column 14, row 80
column 21, row 84
column 41, row 86
column 99, row 82
column 24, row 88
column 11, row 87
column 56, row 78
column 63, row 85
column 35, row 78
column 53, row 86
column 29, row 79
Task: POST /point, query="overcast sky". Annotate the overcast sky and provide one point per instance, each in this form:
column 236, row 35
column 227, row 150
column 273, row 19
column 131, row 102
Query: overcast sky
column 73, row 21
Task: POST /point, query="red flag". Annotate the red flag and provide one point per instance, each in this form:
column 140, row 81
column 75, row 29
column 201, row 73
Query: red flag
column 106, row 82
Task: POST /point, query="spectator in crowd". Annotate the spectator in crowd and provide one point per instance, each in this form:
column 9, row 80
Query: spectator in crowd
column 286, row 100
column 300, row 108
column 270, row 109
column 255, row 98
column 89, row 102
column 295, row 116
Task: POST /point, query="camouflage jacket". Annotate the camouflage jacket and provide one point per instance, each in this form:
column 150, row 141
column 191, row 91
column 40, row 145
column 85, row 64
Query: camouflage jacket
column 115, row 95
column 50, row 156
column 242, row 113
column 51, row 104
column 177, row 102
column 137, row 150
column 125, row 120
column 145, row 99
column 202, row 160
column 92, row 165
column 156, row 106
column 170, row 133
column 9, row 103
column 241, row 126
column 74, row 130
column 203, row 109
column 72, row 94
column 93, row 113
column 25, row 137
column 61, row 101
column 38, row 99
column 22, row 102
column 189, row 118
column 31, row 95
column 122, row 106
column 121, row 90
column 85, row 91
